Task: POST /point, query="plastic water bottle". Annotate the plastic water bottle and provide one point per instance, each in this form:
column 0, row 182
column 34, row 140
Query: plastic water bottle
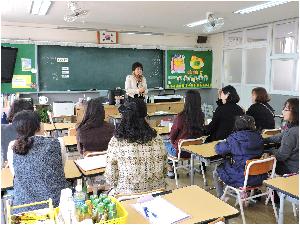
column 79, row 200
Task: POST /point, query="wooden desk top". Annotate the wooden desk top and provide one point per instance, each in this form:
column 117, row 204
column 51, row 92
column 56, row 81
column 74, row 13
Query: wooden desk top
column 266, row 135
column 7, row 180
column 71, row 172
column 57, row 126
column 162, row 130
column 286, row 185
column 193, row 200
column 90, row 172
column 115, row 116
column 69, row 140
column 205, row 150
column 166, row 113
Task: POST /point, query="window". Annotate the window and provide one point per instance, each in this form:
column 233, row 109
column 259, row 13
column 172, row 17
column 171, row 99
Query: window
column 285, row 36
column 234, row 38
column 257, row 34
column 283, row 74
column 233, row 65
column 256, row 61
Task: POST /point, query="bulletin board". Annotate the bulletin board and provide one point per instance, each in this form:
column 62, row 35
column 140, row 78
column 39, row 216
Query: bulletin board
column 188, row 69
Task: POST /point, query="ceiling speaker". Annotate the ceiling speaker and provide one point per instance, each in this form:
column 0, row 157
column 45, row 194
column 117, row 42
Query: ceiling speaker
column 201, row 39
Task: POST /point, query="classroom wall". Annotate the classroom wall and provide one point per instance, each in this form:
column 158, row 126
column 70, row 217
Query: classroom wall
column 37, row 32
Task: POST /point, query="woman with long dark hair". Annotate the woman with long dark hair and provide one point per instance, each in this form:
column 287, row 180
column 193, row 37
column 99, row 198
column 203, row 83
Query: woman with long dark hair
column 136, row 159
column 93, row 133
column 188, row 124
column 288, row 154
column 35, row 162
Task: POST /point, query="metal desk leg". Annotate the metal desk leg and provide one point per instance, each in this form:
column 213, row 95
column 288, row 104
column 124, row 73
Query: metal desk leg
column 203, row 174
column 281, row 217
column 192, row 169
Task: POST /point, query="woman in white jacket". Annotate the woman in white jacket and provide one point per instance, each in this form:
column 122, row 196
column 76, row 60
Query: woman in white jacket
column 135, row 84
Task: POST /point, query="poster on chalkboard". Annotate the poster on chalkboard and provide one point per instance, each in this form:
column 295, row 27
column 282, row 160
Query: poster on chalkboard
column 188, row 69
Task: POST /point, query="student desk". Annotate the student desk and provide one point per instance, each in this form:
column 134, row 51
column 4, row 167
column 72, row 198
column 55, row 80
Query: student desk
column 70, row 140
column 150, row 116
column 193, row 200
column 71, row 172
column 206, row 153
column 288, row 188
column 162, row 130
column 49, row 127
column 7, row 180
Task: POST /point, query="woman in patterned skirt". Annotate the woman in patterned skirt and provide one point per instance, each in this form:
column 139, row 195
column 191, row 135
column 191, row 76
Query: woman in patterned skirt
column 136, row 158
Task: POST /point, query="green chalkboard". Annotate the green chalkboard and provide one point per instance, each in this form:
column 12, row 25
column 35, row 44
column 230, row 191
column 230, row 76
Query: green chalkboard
column 63, row 68
column 25, row 51
column 188, row 69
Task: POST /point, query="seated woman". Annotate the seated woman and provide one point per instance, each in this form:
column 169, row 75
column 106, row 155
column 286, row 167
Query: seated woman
column 288, row 154
column 93, row 133
column 244, row 144
column 223, row 119
column 260, row 110
column 136, row 158
column 188, row 124
column 8, row 132
column 35, row 162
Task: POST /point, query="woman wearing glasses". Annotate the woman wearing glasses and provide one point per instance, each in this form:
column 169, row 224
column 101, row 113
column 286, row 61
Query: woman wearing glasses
column 288, row 154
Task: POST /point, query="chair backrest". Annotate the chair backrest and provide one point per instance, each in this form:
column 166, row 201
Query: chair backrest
column 72, row 131
column 220, row 220
column 271, row 131
column 187, row 142
column 124, row 197
column 91, row 154
column 259, row 167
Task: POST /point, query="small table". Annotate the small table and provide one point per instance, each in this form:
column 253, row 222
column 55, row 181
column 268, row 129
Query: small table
column 288, row 187
column 193, row 200
column 206, row 153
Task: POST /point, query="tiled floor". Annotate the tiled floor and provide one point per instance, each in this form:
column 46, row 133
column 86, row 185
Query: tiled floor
column 255, row 213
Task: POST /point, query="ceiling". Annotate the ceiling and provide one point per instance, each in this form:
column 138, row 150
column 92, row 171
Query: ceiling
column 147, row 16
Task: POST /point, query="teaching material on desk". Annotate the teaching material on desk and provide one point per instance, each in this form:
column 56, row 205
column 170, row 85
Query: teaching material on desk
column 95, row 68
column 26, row 53
column 159, row 210
column 91, row 163
column 188, row 69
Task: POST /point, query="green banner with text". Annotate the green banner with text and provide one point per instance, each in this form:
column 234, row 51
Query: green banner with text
column 188, row 69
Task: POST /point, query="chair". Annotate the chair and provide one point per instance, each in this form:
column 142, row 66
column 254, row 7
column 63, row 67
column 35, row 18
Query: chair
column 124, row 197
column 182, row 143
column 253, row 167
column 72, row 131
column 271, row 132
column 96, row 182
column 220, row 220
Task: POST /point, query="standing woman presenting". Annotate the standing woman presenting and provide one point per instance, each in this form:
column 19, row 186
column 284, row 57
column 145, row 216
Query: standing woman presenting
column 135, row 84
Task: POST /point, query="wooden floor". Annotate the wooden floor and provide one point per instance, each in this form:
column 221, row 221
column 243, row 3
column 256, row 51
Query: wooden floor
column 254, row 213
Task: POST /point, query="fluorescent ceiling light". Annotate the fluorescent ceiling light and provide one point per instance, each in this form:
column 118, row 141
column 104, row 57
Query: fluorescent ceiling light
column 261, row 6
column 147, row 34
column 40, row 7
column 130, row 33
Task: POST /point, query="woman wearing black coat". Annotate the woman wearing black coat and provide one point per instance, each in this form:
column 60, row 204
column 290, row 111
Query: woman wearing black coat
column 260, row 110
column 223, row 119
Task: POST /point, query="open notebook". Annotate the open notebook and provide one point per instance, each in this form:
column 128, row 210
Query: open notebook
column 159, row 210
column 91, row 163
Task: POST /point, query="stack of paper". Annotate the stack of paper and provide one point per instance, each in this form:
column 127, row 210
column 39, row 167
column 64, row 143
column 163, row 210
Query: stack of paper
column 91, row 163
column 160, row 211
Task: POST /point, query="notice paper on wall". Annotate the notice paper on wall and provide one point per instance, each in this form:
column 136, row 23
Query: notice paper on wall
column 21, row 81
column 159, row 210
column 91, row 163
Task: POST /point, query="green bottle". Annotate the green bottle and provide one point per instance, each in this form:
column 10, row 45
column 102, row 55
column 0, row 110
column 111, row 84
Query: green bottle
column 112, row 211
column 100, row 212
